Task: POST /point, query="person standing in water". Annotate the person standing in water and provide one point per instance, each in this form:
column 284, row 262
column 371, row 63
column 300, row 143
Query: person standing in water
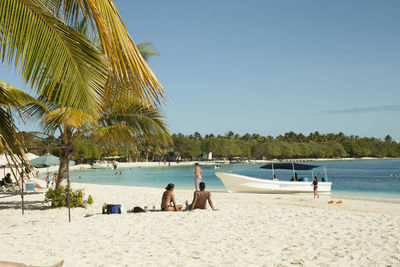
column 315, row 185
column 197, row 176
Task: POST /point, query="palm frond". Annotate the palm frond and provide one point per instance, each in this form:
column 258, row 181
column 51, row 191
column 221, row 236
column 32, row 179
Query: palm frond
column 10, row 142
column 147, row 50
column 128, row 68
column 8, row 129
column 12, row 96
column 49, row 52
column 70, row 117
column 118, row 133
column 140, row 119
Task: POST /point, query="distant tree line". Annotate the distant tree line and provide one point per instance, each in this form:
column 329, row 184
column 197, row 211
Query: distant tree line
column 290, row 145
column 251, row 146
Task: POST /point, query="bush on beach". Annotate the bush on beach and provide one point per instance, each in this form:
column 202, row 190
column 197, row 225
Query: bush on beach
column 90, row 200
column 58, row 197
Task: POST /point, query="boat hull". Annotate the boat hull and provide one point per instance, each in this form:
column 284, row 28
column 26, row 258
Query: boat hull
column 99, row 167
column 236, row 183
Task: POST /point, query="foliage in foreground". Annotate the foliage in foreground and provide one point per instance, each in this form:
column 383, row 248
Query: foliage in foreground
column 59, row 195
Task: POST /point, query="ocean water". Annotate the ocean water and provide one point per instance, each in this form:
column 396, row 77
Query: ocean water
column 376, row 179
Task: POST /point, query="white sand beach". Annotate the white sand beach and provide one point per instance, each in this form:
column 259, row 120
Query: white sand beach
column 247, row 230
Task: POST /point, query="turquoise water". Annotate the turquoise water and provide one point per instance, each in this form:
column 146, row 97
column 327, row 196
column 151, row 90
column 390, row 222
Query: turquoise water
column 378, row 178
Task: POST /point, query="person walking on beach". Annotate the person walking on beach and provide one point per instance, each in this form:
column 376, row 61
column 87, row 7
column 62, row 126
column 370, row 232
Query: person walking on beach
column 197, row 175
column 200, row 199
column 315, row 185
column 168, row 202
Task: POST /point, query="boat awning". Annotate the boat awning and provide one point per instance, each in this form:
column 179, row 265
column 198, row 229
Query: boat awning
column 289, row 166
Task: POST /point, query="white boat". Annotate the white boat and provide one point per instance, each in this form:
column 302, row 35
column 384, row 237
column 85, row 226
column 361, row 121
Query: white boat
column 237, row 183
column 98, row 164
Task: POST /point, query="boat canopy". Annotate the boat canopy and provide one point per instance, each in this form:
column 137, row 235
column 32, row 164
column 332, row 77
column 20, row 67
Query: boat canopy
column 289, row 166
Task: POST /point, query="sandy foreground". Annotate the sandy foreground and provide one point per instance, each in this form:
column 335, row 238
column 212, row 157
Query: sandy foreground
column 248, row 229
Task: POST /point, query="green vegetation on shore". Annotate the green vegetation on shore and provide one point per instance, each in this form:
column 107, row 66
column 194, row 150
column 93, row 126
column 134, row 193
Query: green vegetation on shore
column 289, row 145
column 252, row 146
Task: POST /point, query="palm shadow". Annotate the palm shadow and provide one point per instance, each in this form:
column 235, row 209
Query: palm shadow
column 17, row 204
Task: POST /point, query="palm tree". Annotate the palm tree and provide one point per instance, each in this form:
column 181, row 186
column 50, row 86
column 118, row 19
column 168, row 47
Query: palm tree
column 10, row 142
column 63, row 66
column 40, row 39
column 115, row 125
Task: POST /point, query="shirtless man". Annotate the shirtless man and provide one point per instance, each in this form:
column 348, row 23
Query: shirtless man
column 197, row 175
column 200, row 199
column 168, row 199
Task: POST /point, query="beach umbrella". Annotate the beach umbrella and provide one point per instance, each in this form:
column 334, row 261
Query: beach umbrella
column 47, row 161
column 31, row 156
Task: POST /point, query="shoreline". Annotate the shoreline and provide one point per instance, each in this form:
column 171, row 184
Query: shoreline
column 124, row 165
column 387, row 197
column 247, row 229
column 359, row 196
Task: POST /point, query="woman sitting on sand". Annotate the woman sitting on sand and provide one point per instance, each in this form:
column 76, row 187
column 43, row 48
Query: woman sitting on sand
column 168, row 199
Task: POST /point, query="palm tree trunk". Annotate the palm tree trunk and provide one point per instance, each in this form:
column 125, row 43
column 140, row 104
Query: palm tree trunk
column 62, row 170
column 63, row 156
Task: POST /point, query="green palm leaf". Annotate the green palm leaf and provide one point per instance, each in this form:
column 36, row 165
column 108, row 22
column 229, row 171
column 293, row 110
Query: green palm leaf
column 70, row 117
column 128, row 69
column 48, row 52
column 141, row 120
column 10, row 141
column 147, row 50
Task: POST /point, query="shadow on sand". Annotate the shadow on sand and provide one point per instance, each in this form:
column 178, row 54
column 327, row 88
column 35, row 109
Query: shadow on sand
column 17, row 204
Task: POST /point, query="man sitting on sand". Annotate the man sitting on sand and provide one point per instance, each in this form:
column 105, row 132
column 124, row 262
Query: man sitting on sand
column 168, row 199
column 200, row 199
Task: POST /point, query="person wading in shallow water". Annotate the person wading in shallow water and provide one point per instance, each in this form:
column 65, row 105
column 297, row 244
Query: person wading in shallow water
column 197, row 175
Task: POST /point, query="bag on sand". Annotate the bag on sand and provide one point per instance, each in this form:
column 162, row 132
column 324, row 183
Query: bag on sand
column 137, row 210
column 112, row 209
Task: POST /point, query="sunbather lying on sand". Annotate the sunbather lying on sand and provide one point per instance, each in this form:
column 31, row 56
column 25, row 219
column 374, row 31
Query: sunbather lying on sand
column 168, row 199
column 200, row 199
column 17, row 264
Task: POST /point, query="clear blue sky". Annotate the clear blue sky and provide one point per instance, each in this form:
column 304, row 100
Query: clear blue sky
column 270, row 67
